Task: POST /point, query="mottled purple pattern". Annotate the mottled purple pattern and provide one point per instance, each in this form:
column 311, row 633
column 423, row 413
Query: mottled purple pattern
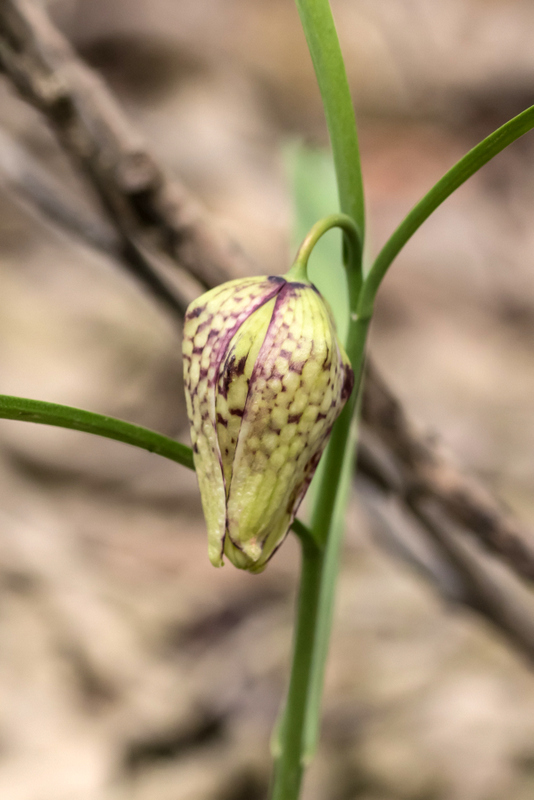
column 295, row 394
column 210, row 324
column 273, row 416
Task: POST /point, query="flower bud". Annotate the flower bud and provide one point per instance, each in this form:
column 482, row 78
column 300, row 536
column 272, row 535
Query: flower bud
column 265, row 379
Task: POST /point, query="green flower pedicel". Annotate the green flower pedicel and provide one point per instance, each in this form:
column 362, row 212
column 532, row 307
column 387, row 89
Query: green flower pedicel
column 265, row 379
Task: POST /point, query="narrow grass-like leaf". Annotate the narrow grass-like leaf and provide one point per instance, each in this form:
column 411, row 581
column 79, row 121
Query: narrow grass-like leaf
column 20, row 408
column 76, row 419
column 476, row 158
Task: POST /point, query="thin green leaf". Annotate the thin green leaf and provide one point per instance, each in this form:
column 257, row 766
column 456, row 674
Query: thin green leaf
column 20, row 408
column 25, row 410
column 487, row 149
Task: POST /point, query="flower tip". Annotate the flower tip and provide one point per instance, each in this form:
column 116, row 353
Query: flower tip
column 253, row 550
column 214, row 555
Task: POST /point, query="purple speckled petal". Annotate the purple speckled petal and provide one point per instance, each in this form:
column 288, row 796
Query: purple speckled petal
column 300, row 382
column 210, row 324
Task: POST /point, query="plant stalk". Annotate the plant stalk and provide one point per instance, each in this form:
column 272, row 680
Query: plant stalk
column 467, row 166
column 297, row 735
column 289, row 764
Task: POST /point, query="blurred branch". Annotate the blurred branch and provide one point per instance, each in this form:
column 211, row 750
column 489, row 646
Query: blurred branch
column 21, row 172
column 92, row 129
column 424, row 472
column 52, row 200
column 157, row 221
column 418, row 533
column 483, row 590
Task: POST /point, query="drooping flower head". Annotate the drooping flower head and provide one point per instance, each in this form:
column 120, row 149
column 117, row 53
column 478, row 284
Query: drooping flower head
column 265, row 379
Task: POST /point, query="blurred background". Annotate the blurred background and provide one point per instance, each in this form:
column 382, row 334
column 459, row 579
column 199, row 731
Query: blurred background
column 129, row 668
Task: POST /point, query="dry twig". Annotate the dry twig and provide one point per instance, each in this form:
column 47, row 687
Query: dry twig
column 51, row 199
column 482, row 589
column 455, row 567
column 425, row 473
column 92, row 129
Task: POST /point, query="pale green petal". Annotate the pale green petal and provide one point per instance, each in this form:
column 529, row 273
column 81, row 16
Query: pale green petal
column 234, row 376
column 210, row 324
column 294, row 398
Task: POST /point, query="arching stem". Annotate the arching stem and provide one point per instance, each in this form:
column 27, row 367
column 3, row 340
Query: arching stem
column 299, row 270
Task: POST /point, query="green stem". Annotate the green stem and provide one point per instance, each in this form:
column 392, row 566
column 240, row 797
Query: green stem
column 297, row 734
column 320, row 31
column 331, row 559
column 296, row 738
column 455, row 177
column 299, row 270
column 289, row 765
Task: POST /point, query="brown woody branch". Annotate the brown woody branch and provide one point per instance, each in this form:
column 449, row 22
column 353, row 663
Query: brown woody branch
column 455, row 567
column 424, row 473
column 502, row 604
column 156, row 220
column 137, row 195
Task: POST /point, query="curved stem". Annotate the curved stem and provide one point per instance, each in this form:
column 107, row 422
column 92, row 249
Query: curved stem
column 20, row 408
column 352, row 237
column 76, row 419
column 454, row 178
